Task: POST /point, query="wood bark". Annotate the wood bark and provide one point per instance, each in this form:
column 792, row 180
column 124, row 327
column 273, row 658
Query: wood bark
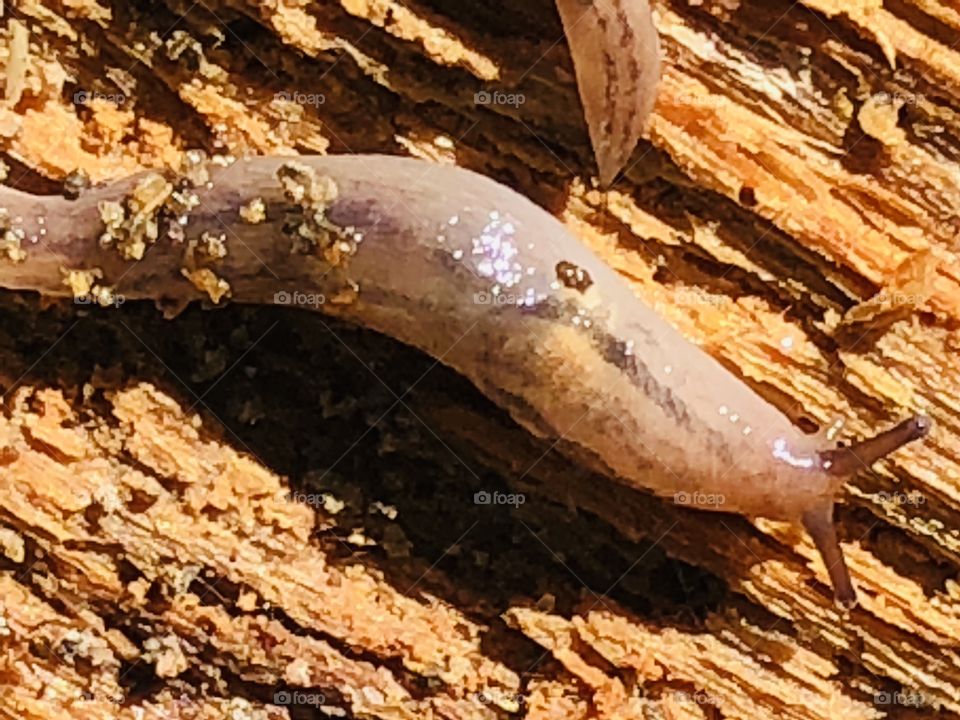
column 231, row 515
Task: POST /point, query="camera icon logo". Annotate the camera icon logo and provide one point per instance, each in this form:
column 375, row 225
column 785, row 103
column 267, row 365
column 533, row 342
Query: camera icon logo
column 482, row 497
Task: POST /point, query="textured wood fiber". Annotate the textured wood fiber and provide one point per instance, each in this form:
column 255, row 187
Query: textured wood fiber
column 196, row 515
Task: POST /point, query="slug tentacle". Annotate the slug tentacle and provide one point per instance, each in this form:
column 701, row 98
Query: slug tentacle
column 475, row 275
column 861, row 455
column 818, row 523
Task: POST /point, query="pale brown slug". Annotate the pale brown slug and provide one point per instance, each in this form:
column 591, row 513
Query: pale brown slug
column 473, row 274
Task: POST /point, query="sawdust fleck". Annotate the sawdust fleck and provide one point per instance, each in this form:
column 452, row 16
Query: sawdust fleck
column 879, row 117
column 11, row 545
column 312, row 194
column 254, row 212
column 205, row 280
column 133, row 225
column 10, row 239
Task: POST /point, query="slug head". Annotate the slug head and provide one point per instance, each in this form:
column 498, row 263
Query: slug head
column 843, row 463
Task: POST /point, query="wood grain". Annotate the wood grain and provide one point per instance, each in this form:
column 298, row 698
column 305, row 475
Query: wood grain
column 793, row 212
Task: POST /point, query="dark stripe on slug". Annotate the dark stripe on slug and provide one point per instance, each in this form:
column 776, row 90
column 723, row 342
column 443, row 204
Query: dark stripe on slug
column 611, row 71
column 628, row 37
column 518, row 407
column 614, row 352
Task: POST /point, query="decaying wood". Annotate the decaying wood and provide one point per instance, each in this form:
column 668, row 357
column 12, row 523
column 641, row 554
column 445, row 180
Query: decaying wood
column 196, row 515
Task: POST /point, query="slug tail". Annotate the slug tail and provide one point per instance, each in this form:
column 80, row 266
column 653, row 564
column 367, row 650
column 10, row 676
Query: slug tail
column 616, row 59
column 861, row 455
column 819, row 524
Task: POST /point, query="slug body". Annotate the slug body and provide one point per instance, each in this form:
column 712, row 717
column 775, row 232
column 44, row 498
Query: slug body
column 486, row 282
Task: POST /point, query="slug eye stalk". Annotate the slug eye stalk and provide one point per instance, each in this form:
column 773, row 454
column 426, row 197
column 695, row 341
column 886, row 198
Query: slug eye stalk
column 861, row 455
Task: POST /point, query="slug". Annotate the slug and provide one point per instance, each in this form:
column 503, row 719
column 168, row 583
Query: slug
column 616, row 59
column 471, row 273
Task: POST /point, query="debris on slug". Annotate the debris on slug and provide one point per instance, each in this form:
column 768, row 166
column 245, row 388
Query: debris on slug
column 18, row 60
column 309, row 225
column 208, row 247
column 254, row 212
column 223, row 159
column 10, row 239
column 213, row 246
column 75, row 183
column 573, row 276
column 4, row 171
column 347, row 295
column 10, row 247
column 183, row 199
column 205, row 280
column 81, row 281
column 193, row 168
column 132, row 225
column 83, row 285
